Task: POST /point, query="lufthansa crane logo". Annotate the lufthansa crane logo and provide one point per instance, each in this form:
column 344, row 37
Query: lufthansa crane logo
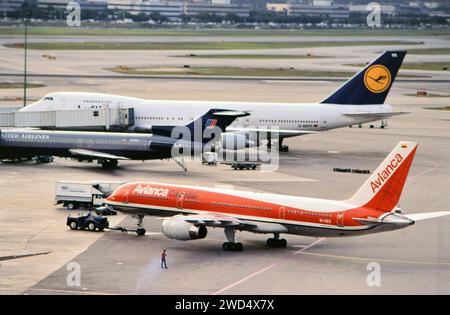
column 377, row 78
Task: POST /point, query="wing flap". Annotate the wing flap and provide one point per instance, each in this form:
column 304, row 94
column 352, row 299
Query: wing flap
column 216, row 220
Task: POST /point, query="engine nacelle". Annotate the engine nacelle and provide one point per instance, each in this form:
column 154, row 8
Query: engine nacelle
column 178, row 229
column 236, row 141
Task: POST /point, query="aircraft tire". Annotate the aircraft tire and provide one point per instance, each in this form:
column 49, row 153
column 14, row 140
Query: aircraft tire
column 278, row 243
column 235, row 247
column 140, row 232
column 238, row 247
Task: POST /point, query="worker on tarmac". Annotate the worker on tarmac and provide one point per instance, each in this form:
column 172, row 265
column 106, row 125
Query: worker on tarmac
column 163, row 259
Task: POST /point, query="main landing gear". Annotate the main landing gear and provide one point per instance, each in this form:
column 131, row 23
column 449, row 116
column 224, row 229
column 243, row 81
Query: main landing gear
column 276, row 241
column 231, row 245
column 109, row 164
column 281, row 146
column 140, row 231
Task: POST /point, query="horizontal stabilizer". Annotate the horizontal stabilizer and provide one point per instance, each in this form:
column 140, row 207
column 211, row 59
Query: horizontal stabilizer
column 426, row 215
column 369, row 221
column 96, row 154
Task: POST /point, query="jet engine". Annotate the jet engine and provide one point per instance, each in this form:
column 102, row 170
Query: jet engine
column 178, row 229
column 236, row 141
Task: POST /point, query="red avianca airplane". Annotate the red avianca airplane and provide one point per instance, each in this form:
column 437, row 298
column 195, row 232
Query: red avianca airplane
column 373, row 209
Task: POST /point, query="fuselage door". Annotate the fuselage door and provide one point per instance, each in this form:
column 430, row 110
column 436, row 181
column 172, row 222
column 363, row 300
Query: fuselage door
column 282, row 212
column 340, row 218
column 180, row 199
column 126, row 195
column 323, row 121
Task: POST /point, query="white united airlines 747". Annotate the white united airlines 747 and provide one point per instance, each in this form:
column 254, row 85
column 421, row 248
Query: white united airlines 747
column 359, row 100
column 373, row 209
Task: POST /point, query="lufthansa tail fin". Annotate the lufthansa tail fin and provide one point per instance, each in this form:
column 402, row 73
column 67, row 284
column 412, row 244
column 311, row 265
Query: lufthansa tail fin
column 371, row 85
column 383, row 188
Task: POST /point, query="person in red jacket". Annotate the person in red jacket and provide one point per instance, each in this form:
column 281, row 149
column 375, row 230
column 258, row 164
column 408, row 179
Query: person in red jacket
column 163, row 259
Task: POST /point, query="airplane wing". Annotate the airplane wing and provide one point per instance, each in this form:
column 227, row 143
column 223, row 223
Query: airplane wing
column 96, row 154
column 269, row 130
column 426, row 215
column 216, row 220
column 377, row 114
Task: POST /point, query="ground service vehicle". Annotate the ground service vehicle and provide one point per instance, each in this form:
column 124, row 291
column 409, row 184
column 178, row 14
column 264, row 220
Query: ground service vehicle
column 89, row 221
column 74, row 195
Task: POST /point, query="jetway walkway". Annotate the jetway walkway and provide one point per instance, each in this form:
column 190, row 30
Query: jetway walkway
column 116, row 119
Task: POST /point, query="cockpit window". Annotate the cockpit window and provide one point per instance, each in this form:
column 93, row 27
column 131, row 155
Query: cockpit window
column 48, row 98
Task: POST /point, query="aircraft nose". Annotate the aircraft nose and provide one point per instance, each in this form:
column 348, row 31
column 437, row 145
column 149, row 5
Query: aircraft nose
column 115, row 194
column 398, row 220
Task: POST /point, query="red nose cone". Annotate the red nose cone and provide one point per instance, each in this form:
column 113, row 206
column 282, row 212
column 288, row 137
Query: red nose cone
column 118, row 194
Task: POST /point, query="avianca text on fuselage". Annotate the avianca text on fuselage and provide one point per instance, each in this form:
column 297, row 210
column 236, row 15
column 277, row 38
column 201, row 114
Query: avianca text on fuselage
column 154, row 191
column 384, row 175
column 150, row 191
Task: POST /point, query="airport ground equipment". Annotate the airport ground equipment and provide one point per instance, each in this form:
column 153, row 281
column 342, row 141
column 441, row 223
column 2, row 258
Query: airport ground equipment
column 42, row 159
column 209, row 158
column 244, row 165
column 89, row 221
column 350, row 170
column 94, row 119
column 74, row 195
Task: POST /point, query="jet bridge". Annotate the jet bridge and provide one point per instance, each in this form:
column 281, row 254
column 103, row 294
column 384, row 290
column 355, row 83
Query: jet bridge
column 110, row 119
